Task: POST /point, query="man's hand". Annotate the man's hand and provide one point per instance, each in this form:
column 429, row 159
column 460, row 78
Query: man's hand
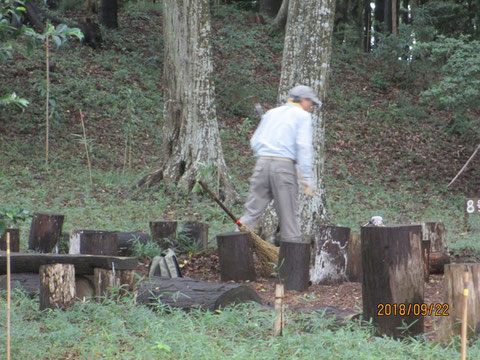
column 307, row 186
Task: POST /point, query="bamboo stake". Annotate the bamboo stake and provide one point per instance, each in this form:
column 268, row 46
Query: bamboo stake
column 464, row 315
column 464, row 166
column 279, row 323
column 48, row 99
column 86, row 147
column 8, row 295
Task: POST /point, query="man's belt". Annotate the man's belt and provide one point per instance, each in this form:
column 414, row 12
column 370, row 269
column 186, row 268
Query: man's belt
column 276, row 158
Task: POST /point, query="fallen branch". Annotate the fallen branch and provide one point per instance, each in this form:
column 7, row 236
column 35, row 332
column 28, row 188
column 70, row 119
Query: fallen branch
column 464, row 166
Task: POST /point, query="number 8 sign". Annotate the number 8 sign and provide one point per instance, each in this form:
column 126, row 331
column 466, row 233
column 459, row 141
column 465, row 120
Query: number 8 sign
column 473, row 205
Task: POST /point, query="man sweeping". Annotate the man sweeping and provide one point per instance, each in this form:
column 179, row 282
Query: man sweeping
column 282, row 140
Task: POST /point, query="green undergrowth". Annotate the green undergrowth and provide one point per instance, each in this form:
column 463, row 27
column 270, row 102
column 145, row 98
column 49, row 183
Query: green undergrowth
column 126, row 331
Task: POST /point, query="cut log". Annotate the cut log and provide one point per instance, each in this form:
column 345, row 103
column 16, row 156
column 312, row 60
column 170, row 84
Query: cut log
column 437, row 262
column 294, row 265
column 84, row 264
column 45, row 232
column 449, row 313
column 94, row 242
column 188, row 294
column 329, row 258
column 392, row 278
column 435, row 233
column 127, row 239
column 235, row 254
column 105, row 280
column 14, row 240
column 57, row 286
column 163, row 232
column 354, row 258
column 198, row 232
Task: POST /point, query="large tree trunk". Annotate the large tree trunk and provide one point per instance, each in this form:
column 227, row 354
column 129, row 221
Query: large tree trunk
column 270, row 7
column 108, row 13
column 306, row 60
column 190, row 131
column 281, row 18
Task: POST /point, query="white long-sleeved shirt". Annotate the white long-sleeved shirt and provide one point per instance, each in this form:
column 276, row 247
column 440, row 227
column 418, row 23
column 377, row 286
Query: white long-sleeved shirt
column 286, row 131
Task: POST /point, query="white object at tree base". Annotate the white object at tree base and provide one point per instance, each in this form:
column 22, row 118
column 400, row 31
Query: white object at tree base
column 464, row 166
column 375, row 221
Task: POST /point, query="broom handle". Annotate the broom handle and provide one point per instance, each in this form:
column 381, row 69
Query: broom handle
column 217, row 200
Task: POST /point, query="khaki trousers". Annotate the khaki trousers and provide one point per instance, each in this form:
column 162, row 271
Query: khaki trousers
column 276, row 179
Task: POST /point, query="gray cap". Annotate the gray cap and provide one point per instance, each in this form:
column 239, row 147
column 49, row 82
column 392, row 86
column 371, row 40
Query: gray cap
column 303, row 91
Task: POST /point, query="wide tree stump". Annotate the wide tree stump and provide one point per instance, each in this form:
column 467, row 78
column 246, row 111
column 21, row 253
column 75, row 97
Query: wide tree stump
column 437, row 262
column 84, row 264
column 198, row 232
column 354, row 258
column 188, row 294
column 450, row 312
column 14, row 240
column 235, row 254
column 57, row 286
column 294, row 265
column 393, row 278
column 94, row 242
column 45, row 232
column 329, row 258
column 104, row 281
column 163, row 233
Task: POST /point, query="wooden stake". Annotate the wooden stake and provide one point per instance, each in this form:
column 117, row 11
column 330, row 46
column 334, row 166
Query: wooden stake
column 8, row 296
column 48, row 99
column 464, row 315
column 279, row 323
column 86, row 147
column 464, row 166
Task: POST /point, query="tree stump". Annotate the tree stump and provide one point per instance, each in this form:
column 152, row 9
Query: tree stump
column 354, row 258
column 393, row 278
column 329, row 256
column 45, row 232
column 57, row 286
column 161, row 230
column 188, row 294
column 453, row 298
column 198, row 232
column 14, row 240
column 127, row 239
column 94, row 242
column 294, row 265
column 435, row 233
column 235, row 254
column 426, row 258
column 104, row 280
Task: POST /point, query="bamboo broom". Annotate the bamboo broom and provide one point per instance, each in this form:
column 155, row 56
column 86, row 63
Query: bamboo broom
column 266, row 253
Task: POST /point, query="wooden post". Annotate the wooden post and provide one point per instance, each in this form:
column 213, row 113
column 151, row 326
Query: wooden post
column 464, row 314
column 278, row 325
column 7, row 241
column 453, row 299
column 14, row 240
column 161, row 230
column 393, row 279
column 57, row 286
column 329, row 258
column 354, row 258
column 45, row 232
column 98, row 243
column 294, row 265
column 235, row 254
column 198, row 232
column 104, row 280
column 426, row 259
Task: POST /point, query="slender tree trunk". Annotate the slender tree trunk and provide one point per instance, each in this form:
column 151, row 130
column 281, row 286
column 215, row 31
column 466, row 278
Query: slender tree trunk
column 281, row 18
column 394, row 17
column 190, row 131
column 306, row 60
column 108, row 13
column 367, row 19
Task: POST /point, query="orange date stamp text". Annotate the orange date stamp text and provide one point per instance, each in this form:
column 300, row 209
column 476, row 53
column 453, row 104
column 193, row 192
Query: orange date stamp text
column 435, row 309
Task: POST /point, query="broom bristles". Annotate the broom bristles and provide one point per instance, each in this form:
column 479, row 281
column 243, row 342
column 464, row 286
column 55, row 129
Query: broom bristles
column 266, row 253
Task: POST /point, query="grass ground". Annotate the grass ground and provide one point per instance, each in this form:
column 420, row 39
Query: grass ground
column 386, row 154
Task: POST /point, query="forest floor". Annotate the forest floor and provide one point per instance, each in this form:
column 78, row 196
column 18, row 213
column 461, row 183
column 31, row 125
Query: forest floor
column 387, row 153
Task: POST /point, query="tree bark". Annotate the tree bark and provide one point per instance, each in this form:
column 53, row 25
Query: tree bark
column 14, row 240
column 270, row 7
column 188, row 294
column 329, row 256
column 198, row 232
column 435, row 233
column 108, row 13
column 57, row 286
column 99, row 243
column 235, row 254
column 392, row 277
column 394, row 17
column 453, row 298
column 281, row 18
column 354, row 258
column 306, row 60
column 161, row 230
column 191, row 137
column 293, row 265
column 367, row 19
column 125, row 241
column 45, row 232
column 84, row 264
column 104, row 281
